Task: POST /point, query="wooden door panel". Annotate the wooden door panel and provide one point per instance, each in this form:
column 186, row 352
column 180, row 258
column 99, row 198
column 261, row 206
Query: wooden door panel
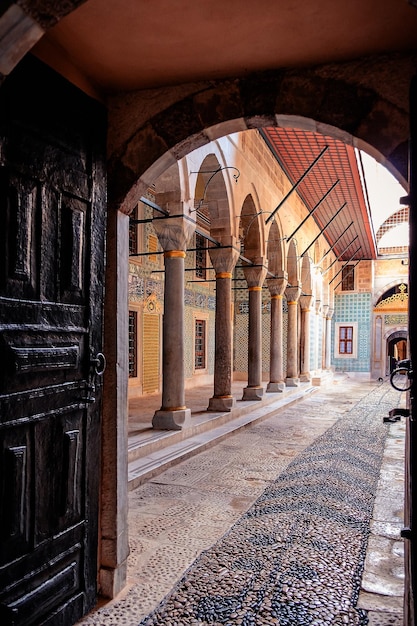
column 52, row 191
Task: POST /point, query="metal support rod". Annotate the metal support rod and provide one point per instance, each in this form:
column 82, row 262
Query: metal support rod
column 300, row 180
column 341, row 254
column 200, row 232
column 153, row 205
column 344, row 265
column 156, row 207
column 323, row 229
column 314, row 209
column 337, row 240
column 348, row 274
column 146, row 253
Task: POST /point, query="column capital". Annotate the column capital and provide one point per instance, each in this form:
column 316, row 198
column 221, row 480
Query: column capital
column 255, row 274
column 306, row 301
column 324, row 309
column 224, row 259
column 292, row 294
column 174, row 233
column 330, row 313
column 278, row 285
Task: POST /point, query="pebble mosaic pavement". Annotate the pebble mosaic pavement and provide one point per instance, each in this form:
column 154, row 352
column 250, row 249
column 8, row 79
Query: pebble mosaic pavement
column 296, row 556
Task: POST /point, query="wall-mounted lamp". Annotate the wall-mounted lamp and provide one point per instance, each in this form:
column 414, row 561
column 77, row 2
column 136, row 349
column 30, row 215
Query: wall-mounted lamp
column 213, row 173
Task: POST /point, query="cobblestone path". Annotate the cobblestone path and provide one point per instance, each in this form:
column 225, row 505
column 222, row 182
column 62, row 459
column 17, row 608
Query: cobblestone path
column 297, row 555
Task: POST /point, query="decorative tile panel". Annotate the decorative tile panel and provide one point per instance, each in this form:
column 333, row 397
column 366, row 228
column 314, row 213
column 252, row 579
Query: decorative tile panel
column 355, row 307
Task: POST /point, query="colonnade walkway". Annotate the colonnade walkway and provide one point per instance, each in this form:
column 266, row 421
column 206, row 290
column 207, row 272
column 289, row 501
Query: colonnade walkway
column 293, row 519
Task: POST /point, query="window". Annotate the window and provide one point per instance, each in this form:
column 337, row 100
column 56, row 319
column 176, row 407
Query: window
column 345, row 339
column 200, row 256
column 200, row 345
column 348, row 278
column 133, row 232
column 133, row 337
column 153, row 247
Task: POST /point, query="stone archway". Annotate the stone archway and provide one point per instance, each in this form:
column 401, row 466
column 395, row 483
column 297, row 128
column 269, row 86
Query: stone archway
column 349, row 101
column 361, row 102
column 396, row 349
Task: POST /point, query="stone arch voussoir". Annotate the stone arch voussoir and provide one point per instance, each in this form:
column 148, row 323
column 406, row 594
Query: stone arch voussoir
column 340, row 97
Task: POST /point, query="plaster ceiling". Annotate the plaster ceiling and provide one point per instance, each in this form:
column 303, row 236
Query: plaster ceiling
column 131, row 44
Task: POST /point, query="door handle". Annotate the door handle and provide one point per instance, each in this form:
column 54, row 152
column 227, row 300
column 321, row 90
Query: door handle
column 99, row 362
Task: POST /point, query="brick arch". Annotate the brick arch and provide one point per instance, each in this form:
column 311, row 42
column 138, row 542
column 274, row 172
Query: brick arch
column 342, row 100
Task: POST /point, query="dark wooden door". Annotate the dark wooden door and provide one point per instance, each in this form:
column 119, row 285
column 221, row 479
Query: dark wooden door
column 52, row 223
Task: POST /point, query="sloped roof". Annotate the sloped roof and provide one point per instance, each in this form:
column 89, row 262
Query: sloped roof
column 314, row 163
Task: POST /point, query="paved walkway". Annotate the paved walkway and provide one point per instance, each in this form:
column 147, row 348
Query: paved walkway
column 294, row 519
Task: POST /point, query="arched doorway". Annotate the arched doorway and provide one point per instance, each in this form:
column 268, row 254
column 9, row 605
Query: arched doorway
column 141, row 152
column 396, row 349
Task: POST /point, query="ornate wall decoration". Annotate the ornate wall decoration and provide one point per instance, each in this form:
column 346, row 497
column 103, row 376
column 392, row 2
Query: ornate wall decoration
column 152, row 305
column 396, row 301
column 397, row 320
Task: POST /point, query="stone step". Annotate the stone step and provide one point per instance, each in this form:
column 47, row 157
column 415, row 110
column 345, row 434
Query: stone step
column 155, row 451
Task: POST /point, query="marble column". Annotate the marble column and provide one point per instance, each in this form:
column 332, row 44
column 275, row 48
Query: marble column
column 317, row 309
column 223, row 261
column 328, row 339
column 292, row 294
column 306, row 302
column 276, row 364
column 324, row 336
column 173, row 235
column 255, row 277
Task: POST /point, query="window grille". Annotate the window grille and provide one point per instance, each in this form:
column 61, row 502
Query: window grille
column 348, row 278
column 152, row 247
column 133, row 233
column 133, row 342
column 200, row 344
column 200, row 256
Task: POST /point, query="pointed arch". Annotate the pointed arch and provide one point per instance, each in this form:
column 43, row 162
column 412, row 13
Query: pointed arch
column 292, row 264
column 275, row 251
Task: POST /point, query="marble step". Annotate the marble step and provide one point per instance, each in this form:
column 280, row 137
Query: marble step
column 155, row 451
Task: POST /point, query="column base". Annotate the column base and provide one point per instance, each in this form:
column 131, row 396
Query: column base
column 292, row 382
column 220, row 404
column 253, row 393
column 275, row 387
column 171, row 420
column 305, row 377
